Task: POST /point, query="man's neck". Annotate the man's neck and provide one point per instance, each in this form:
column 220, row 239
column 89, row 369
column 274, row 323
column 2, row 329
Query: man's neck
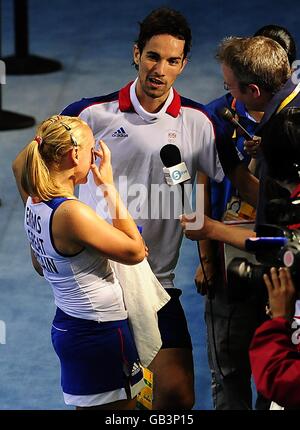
column 257, row 115
column 150, row 104
column 257, row 109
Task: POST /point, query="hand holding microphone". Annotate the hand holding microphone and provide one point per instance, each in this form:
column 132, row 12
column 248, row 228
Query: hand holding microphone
column 176, row 172
column 228, row 116
column 251, row 143
column 252, row 146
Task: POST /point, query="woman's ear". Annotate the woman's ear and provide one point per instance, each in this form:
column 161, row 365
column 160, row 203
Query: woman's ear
column 73, row 156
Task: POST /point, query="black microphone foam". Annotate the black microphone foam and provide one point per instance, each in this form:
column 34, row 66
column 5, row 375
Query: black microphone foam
column 170, row 155
column 226, row 114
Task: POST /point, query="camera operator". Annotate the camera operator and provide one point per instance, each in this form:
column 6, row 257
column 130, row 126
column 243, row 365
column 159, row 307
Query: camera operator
column 274, row 358
column 281, row 148
column 274, row 355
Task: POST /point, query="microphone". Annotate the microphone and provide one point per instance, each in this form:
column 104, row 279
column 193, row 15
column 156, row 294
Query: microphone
column 228, row 116
column 175, row 170
column 176, row 173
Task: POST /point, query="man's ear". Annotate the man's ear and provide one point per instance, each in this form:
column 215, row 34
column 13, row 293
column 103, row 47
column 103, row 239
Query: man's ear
column 136, row 55
column 184, row 63
column 255, row 90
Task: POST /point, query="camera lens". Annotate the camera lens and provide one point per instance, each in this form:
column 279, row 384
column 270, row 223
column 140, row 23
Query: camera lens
column 244, row 279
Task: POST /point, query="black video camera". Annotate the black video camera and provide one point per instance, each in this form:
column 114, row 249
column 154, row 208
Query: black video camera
column 274, row 246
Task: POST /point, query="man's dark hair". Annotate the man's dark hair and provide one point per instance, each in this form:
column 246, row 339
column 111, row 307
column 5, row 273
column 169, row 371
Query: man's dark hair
column 165, row 21
column 281, row 145
column 282, row 36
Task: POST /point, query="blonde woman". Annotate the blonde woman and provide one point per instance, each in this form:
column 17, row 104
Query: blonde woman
column 71, row 246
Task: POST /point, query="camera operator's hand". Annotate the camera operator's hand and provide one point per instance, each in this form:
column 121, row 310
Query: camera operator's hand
column 282, row 294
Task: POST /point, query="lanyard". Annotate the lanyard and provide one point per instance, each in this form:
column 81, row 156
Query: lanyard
column 282, row 105
column 233, row 103
column 289, row 98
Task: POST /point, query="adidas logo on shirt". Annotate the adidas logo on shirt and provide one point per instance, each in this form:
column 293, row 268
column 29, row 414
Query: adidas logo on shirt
column 120, row 133
column 136, row 368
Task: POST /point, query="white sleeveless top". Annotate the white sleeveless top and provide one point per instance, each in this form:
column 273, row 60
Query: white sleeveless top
column 83, row 284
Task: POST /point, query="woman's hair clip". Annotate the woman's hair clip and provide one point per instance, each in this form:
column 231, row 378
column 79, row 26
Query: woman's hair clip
column 38, row 139
column 68, row 128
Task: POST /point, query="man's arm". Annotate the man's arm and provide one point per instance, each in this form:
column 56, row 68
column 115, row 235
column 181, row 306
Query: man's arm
column 17, row 167
column 216, row 230
column 246, row 183
column 206, row 246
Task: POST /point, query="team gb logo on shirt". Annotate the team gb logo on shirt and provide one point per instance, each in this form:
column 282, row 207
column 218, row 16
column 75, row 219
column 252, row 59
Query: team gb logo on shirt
column 172, row 136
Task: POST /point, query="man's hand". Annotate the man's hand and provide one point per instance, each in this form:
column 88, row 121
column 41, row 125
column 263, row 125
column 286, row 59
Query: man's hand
column 205, row 284
column 252, row 146
column 202, row 233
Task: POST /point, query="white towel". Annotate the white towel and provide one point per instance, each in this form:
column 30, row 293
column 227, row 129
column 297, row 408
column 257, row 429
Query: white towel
column 143, row 297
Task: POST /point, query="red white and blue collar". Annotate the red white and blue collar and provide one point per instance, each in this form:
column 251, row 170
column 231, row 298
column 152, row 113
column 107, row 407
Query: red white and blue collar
column 126, row 104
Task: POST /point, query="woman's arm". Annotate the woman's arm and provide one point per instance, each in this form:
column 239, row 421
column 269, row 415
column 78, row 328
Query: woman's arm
column 75, row 223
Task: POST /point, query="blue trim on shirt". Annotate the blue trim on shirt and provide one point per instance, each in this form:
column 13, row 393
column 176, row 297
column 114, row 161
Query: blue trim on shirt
column 185, row 102
column 54, row 203
column 75, row 109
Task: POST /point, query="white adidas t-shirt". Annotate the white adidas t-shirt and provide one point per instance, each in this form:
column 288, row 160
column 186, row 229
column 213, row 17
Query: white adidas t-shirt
column 135, row 138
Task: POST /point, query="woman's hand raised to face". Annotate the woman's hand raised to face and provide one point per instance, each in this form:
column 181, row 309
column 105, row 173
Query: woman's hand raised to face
column 102, row 173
